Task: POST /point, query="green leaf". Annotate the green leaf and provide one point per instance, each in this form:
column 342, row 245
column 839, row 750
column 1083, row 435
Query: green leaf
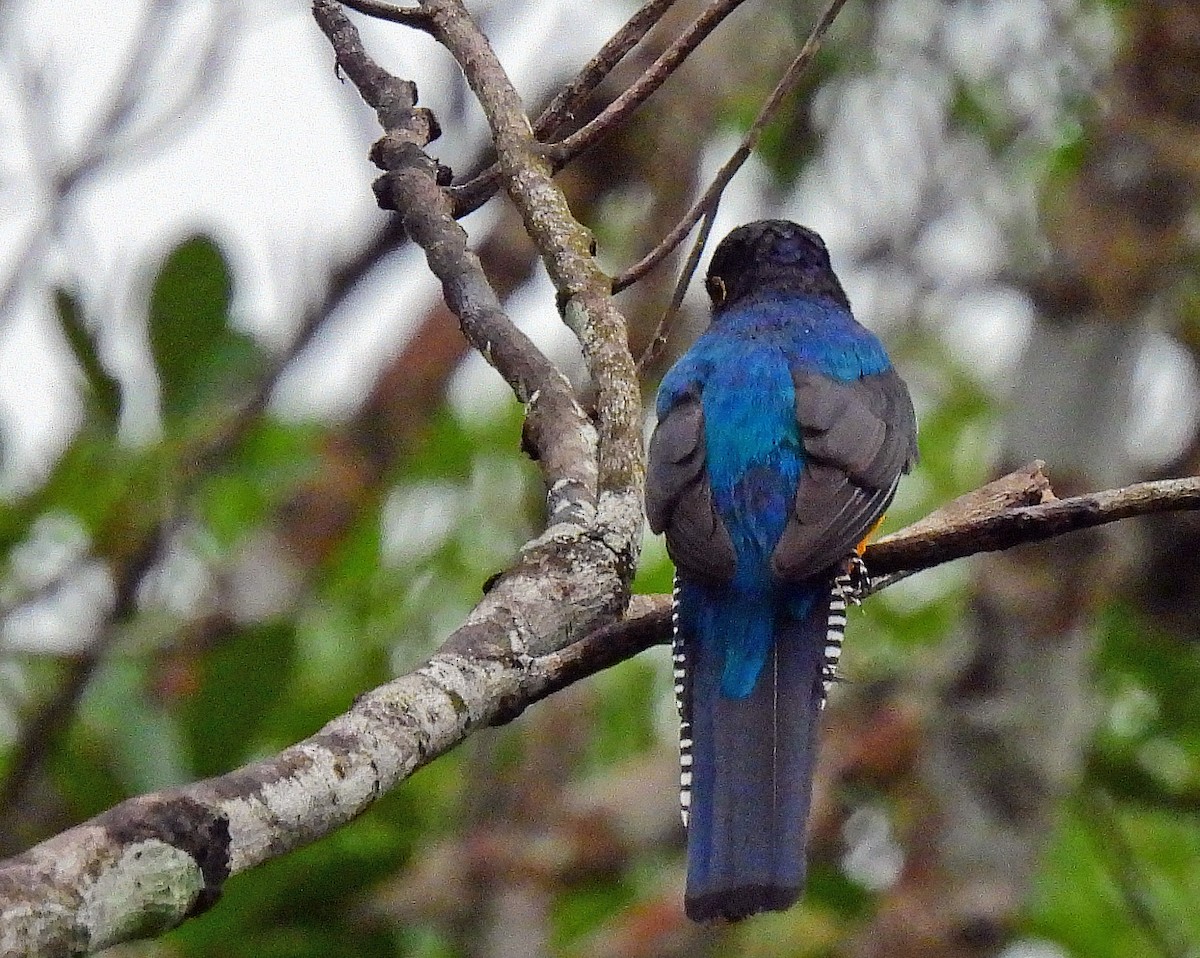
column 1146, row 750
column 1084, row 897
column 103, row 390
column 117, row 492
column 199, row 358
column 243, row 680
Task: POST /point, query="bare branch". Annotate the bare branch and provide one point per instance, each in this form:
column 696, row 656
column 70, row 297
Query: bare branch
column 1014, row 510
column 556, row 427
column 567, row 250
column 570, row 98
column 478, row 189
column 413, row 17
column 663, row 328
column 712, row 196
column 644, row 87
column 969, row 525
column 622, row 107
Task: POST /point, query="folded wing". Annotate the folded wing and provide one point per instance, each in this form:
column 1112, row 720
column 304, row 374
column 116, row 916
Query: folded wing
column 679, row 499
column 859, row 437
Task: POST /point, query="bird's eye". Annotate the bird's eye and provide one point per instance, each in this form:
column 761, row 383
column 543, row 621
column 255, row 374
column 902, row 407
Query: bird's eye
column 716, row 289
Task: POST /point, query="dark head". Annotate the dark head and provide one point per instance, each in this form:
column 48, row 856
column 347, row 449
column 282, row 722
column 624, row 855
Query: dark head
column 771, row 256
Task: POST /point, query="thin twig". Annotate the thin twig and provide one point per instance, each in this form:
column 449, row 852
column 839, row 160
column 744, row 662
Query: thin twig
column 945, row 535
column 477, row 189
column 343, row 279
column 623, row 106
column 644, row 87
column 712, row 196
column 663, row 327
column 413, row 17
column 571, row 97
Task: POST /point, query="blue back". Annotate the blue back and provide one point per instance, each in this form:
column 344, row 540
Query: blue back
column 742, row 368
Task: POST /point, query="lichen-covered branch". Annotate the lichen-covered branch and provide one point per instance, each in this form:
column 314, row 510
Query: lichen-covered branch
column 151, row 862
column 566, row 248
column 557, row 431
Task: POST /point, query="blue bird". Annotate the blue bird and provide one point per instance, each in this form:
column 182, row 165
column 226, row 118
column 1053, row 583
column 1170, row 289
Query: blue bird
column 782, row 434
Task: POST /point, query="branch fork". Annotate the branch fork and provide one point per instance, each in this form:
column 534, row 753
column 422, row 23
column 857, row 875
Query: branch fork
column 560, row 613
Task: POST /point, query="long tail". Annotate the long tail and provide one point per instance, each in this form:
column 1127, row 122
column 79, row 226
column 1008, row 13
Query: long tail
column 747, row 758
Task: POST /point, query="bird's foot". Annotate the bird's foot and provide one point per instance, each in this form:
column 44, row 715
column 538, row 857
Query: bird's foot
column 856, row 583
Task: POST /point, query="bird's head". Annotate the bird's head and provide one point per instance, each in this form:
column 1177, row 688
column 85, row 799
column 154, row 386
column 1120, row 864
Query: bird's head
column 771, row 256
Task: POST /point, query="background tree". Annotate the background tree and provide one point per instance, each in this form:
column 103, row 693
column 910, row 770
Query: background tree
column 226, row 543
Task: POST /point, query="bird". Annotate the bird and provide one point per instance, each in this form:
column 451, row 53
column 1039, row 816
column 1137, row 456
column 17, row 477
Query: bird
column 781, row 438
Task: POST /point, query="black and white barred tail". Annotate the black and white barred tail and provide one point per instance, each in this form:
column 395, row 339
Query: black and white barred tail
column 680, row 673
column 835, row 632
column 840, row 594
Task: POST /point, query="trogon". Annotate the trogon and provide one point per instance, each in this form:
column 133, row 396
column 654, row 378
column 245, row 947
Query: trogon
column 782, row 434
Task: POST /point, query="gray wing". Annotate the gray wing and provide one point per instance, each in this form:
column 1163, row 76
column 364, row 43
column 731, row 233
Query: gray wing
column 859, row 437
column 679, row 499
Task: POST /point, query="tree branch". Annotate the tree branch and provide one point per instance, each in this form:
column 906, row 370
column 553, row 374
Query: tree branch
column 567, row 250
column 151, row 862
column 617, row 112
column 471, row 194
column 712, row 196
column 644, row 87
column 984, row 522
column 413, row 17
column 572, row 97
column 557, row 429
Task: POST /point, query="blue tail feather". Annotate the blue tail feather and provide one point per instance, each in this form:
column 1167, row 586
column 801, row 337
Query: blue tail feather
column 753, row 720
column 741, row 631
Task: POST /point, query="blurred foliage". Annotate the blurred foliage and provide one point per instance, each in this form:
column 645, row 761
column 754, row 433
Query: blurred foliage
column 101, row 388
column 200, row 358
column 1123, row 872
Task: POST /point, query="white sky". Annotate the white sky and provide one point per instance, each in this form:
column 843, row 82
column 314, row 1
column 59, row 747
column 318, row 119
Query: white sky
column 275, row 166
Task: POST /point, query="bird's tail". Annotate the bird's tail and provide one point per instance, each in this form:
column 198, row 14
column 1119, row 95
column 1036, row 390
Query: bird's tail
column 747, row 754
